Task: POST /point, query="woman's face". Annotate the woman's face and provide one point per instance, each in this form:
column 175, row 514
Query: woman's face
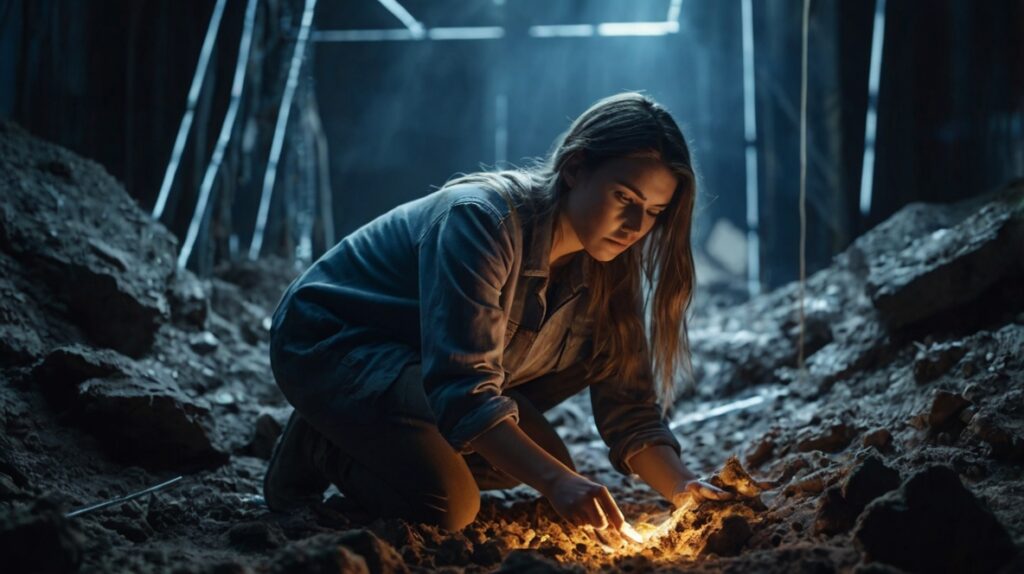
column 612, row 206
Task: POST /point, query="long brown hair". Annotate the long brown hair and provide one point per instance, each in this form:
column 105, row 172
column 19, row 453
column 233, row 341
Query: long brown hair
column 621, row 303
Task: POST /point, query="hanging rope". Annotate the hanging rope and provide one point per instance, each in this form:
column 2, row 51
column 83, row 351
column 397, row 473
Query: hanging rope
column 803, row 182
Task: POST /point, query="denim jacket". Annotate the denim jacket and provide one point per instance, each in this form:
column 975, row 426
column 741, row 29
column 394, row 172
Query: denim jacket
column 459, row 280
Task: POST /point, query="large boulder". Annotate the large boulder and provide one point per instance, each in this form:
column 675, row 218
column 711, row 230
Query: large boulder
column 950, row 266
column 141, row 417
column 841, row 505
column 932, row 523
column 148, row 422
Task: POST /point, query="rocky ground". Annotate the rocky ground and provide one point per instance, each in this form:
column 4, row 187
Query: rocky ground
column 899, row 446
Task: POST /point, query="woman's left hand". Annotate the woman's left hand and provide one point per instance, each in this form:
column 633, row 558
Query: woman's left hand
column 700, row 490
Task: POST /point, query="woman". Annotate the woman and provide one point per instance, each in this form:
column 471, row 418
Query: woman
column 421, row 351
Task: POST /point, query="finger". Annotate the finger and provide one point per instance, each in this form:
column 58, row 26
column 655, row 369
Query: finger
column 585, row 514
column 715, row 493
column 594, row 535
column 602, row 518
column 611, row 510
column 591, row 517
column 711, row 492
column 695, row 492
column 680, row 498
column 630, row 533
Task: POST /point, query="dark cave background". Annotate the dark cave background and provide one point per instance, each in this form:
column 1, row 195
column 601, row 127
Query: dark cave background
column 109, row 80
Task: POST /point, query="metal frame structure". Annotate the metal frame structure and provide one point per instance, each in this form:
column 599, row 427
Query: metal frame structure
column 415, row 31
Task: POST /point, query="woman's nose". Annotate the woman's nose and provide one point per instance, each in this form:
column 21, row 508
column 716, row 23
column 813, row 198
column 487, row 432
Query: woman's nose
column 634, row 216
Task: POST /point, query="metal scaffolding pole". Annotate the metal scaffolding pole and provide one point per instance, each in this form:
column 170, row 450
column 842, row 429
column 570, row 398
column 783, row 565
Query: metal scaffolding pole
column 226, row 129
column 867, row 177
column 270, row 175
column 190, row 109
column 750, row 135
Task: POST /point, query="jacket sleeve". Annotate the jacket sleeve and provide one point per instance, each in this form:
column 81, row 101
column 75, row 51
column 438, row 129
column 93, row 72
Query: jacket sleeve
column 629, row 419
column 465, row 260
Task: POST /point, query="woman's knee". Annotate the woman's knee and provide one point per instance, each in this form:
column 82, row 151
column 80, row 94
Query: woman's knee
column 427, row 483
column 451, row 508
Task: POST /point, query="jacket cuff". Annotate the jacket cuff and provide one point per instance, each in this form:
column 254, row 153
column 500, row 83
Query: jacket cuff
column 480, row 420
column 624, row 450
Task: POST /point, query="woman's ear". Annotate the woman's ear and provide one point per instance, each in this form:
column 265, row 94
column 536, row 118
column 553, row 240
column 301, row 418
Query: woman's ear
column 573, row 168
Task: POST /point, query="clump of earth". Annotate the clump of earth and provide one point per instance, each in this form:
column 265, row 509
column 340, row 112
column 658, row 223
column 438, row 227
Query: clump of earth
column 897, row 446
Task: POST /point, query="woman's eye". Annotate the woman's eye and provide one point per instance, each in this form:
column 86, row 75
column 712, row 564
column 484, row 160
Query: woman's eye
column 655, row 213
column 621, row 196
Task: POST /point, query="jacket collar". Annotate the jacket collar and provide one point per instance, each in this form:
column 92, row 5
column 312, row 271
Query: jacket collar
column 537, row 235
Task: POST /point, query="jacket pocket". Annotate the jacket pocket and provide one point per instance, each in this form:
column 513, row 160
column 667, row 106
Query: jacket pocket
column 578, row 344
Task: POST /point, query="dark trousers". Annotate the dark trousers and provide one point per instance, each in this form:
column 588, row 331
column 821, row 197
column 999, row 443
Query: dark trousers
column 401, row 466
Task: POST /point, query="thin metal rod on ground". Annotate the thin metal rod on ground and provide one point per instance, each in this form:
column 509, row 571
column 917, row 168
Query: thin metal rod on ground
column 122, row 499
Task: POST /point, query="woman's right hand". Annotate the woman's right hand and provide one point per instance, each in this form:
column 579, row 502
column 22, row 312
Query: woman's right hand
column 583, row 502
column 577, row 499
